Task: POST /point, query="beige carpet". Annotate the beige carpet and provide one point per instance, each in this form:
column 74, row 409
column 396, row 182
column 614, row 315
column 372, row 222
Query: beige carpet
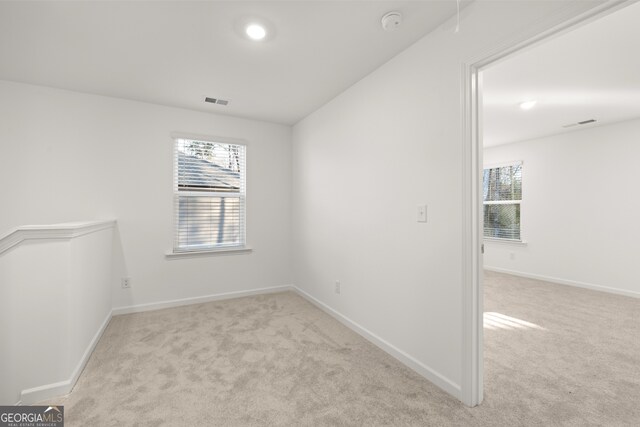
column 554, row 356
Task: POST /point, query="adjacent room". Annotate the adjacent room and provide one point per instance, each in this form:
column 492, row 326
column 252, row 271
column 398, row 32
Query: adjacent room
column 561, row 130
column 240, row 213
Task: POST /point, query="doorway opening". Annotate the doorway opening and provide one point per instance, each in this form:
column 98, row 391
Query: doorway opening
column 558, row 116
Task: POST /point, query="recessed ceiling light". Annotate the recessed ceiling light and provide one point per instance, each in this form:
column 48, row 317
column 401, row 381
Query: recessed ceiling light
column 527, row 105
column 256, row 31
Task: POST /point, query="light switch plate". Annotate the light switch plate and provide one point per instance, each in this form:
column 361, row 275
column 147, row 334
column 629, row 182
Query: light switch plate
column 422, row 213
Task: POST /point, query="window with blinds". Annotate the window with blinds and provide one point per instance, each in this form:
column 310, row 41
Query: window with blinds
column 209, row 195
column 502, row 197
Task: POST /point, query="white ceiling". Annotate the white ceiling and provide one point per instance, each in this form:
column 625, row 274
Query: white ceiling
column 592, row 72
column 176, row 53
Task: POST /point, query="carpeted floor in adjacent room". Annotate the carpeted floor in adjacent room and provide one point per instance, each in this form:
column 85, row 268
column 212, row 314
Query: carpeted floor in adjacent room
column 554, row 355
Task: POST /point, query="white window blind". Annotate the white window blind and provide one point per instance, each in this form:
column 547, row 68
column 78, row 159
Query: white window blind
column 209, row 195
column 502, row 198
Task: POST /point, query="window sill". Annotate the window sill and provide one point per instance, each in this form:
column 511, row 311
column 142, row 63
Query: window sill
column 505, row 241
column 237, row 250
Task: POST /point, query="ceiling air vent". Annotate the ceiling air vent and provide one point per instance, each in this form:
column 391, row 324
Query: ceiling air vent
column 584, row 122
column 216, row 101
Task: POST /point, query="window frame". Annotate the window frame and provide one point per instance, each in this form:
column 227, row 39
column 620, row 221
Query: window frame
column 505, row 202
column 242, row 247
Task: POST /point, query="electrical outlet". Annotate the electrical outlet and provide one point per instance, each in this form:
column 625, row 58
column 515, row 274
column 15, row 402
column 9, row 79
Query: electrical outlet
column 512, row 255
column 337, row 286
column 126, row 282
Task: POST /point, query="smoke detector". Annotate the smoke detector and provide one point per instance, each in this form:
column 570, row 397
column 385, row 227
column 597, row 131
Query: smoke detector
column 391, row 20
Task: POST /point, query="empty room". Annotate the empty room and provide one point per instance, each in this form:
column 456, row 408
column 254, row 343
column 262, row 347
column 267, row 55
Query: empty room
column 561, row 134
column 339, row 213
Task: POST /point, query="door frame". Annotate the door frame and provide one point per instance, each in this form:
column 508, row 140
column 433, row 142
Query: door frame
column 472, row 387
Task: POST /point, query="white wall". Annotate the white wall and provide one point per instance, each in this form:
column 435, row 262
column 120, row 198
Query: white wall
column 33, row 306
column 55, row 300
column 580, row 208
column 67, row 156
column 363, row 162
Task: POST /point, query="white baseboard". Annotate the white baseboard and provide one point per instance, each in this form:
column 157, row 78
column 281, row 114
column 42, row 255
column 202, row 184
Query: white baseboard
column 566, row 282
column 197, row 300
column 48, row 391
column 438, row 379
